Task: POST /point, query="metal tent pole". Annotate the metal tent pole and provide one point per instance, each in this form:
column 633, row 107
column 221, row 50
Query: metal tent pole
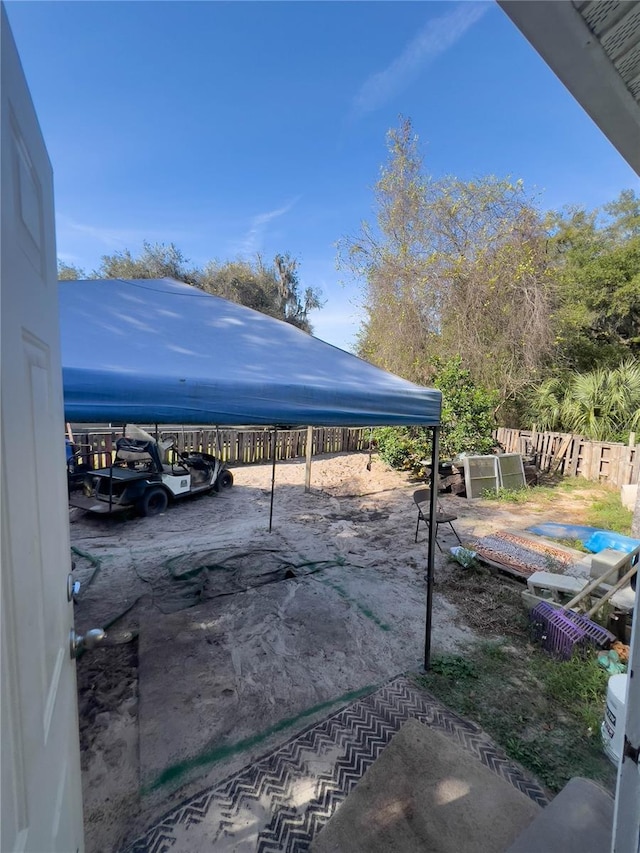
column 308, row 454
column 433, row 530
column 273, row 475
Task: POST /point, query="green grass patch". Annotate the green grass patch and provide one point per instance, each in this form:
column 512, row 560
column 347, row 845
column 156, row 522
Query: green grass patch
column 576, row 544
column 544, row 713
column 607, row 512
column 514, row 496
column 602, row 506
column 540, row 494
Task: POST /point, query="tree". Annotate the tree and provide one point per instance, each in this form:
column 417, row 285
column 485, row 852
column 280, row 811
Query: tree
column 294, row 307
column 69, row 272
column 597, row 274
column 466, row 422
column 242, row 282
column 271, row 289
column 391, row 262
column 156, row 261
column 624, row 213
column 498, row 299
column 453, row 267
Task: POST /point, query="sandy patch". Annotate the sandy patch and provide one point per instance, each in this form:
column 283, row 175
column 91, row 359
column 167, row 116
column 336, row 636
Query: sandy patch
column 239, row 630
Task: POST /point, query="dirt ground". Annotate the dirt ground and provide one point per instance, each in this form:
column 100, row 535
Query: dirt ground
column 223, row 638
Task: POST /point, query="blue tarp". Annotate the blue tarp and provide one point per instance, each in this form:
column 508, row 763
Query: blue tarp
column 594, row 539
column 159, row 351
column 555, row 530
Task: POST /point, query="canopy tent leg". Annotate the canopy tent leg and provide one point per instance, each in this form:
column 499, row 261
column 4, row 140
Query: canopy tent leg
column 309, row 453
column 432, row 543
column 273, row 475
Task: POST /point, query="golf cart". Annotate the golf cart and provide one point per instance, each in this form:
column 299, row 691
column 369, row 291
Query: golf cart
column 146, row 475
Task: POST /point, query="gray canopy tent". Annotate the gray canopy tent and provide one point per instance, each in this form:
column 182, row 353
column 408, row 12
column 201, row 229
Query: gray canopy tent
column 159, row 351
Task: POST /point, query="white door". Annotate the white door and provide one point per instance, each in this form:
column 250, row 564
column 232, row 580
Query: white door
column 41, row 797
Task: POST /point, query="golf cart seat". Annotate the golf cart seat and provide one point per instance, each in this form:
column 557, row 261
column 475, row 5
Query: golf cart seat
column 134, row 453
column 164, row 446
column 422, row 500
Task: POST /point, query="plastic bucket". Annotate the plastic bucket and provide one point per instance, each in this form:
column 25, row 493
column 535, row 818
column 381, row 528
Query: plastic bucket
column 612, row 728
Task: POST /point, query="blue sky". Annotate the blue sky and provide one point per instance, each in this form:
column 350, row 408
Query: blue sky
column 237, row 127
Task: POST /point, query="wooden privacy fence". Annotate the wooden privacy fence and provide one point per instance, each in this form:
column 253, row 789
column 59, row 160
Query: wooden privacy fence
column 575, row 456
column 235, row 446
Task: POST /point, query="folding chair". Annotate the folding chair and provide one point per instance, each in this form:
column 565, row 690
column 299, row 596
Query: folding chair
column 422, row 499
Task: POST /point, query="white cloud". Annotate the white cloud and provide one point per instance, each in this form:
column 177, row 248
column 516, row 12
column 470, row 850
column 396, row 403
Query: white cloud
column 108, row 237
column 69, row 258
column 252, row 240
column 436, row 37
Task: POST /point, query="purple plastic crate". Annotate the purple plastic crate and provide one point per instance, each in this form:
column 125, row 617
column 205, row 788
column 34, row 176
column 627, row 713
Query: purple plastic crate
column 596, row 633
column 555, row 631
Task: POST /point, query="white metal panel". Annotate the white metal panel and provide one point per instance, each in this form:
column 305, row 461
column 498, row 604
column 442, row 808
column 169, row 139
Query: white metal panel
column 41, row 798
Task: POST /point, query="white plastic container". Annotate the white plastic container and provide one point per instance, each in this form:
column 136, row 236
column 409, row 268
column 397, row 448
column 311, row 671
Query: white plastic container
column 612, row 728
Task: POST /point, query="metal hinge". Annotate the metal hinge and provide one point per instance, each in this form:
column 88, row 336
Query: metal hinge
column 630, row 751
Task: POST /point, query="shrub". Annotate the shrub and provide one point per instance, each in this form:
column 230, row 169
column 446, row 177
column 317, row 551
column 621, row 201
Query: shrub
column 467, row 411
column 603, row 405
column 467, row 422
column 404, row 447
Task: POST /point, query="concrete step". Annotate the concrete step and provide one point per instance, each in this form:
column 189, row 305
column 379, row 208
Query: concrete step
column 578, row 820
column 425, row 793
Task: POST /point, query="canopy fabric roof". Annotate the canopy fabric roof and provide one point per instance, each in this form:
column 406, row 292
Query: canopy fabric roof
column 160, row 351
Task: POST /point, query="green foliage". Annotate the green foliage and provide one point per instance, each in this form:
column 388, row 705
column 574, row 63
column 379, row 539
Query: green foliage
column 405, row 448
column 597, row 263
column 578, row 685
column 466, row 422
column 454, row 667
column 513, row 496
column 69, row 272
column 389, row 260
column 272, row 289
column 606, row 511
column 603, row 505
column 293, row 305
column 451, row 266
column 603, row 405
column 245, row 283
column 470, row 267
column 624, row 214
column 576, row 544
column 467, row 410
column 155, row 261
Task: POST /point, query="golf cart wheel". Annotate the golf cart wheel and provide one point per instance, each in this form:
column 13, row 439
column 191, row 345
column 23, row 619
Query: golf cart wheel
column 153, row 502
column 224, row 481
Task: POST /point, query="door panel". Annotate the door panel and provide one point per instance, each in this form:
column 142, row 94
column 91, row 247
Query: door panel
column 41, row 796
